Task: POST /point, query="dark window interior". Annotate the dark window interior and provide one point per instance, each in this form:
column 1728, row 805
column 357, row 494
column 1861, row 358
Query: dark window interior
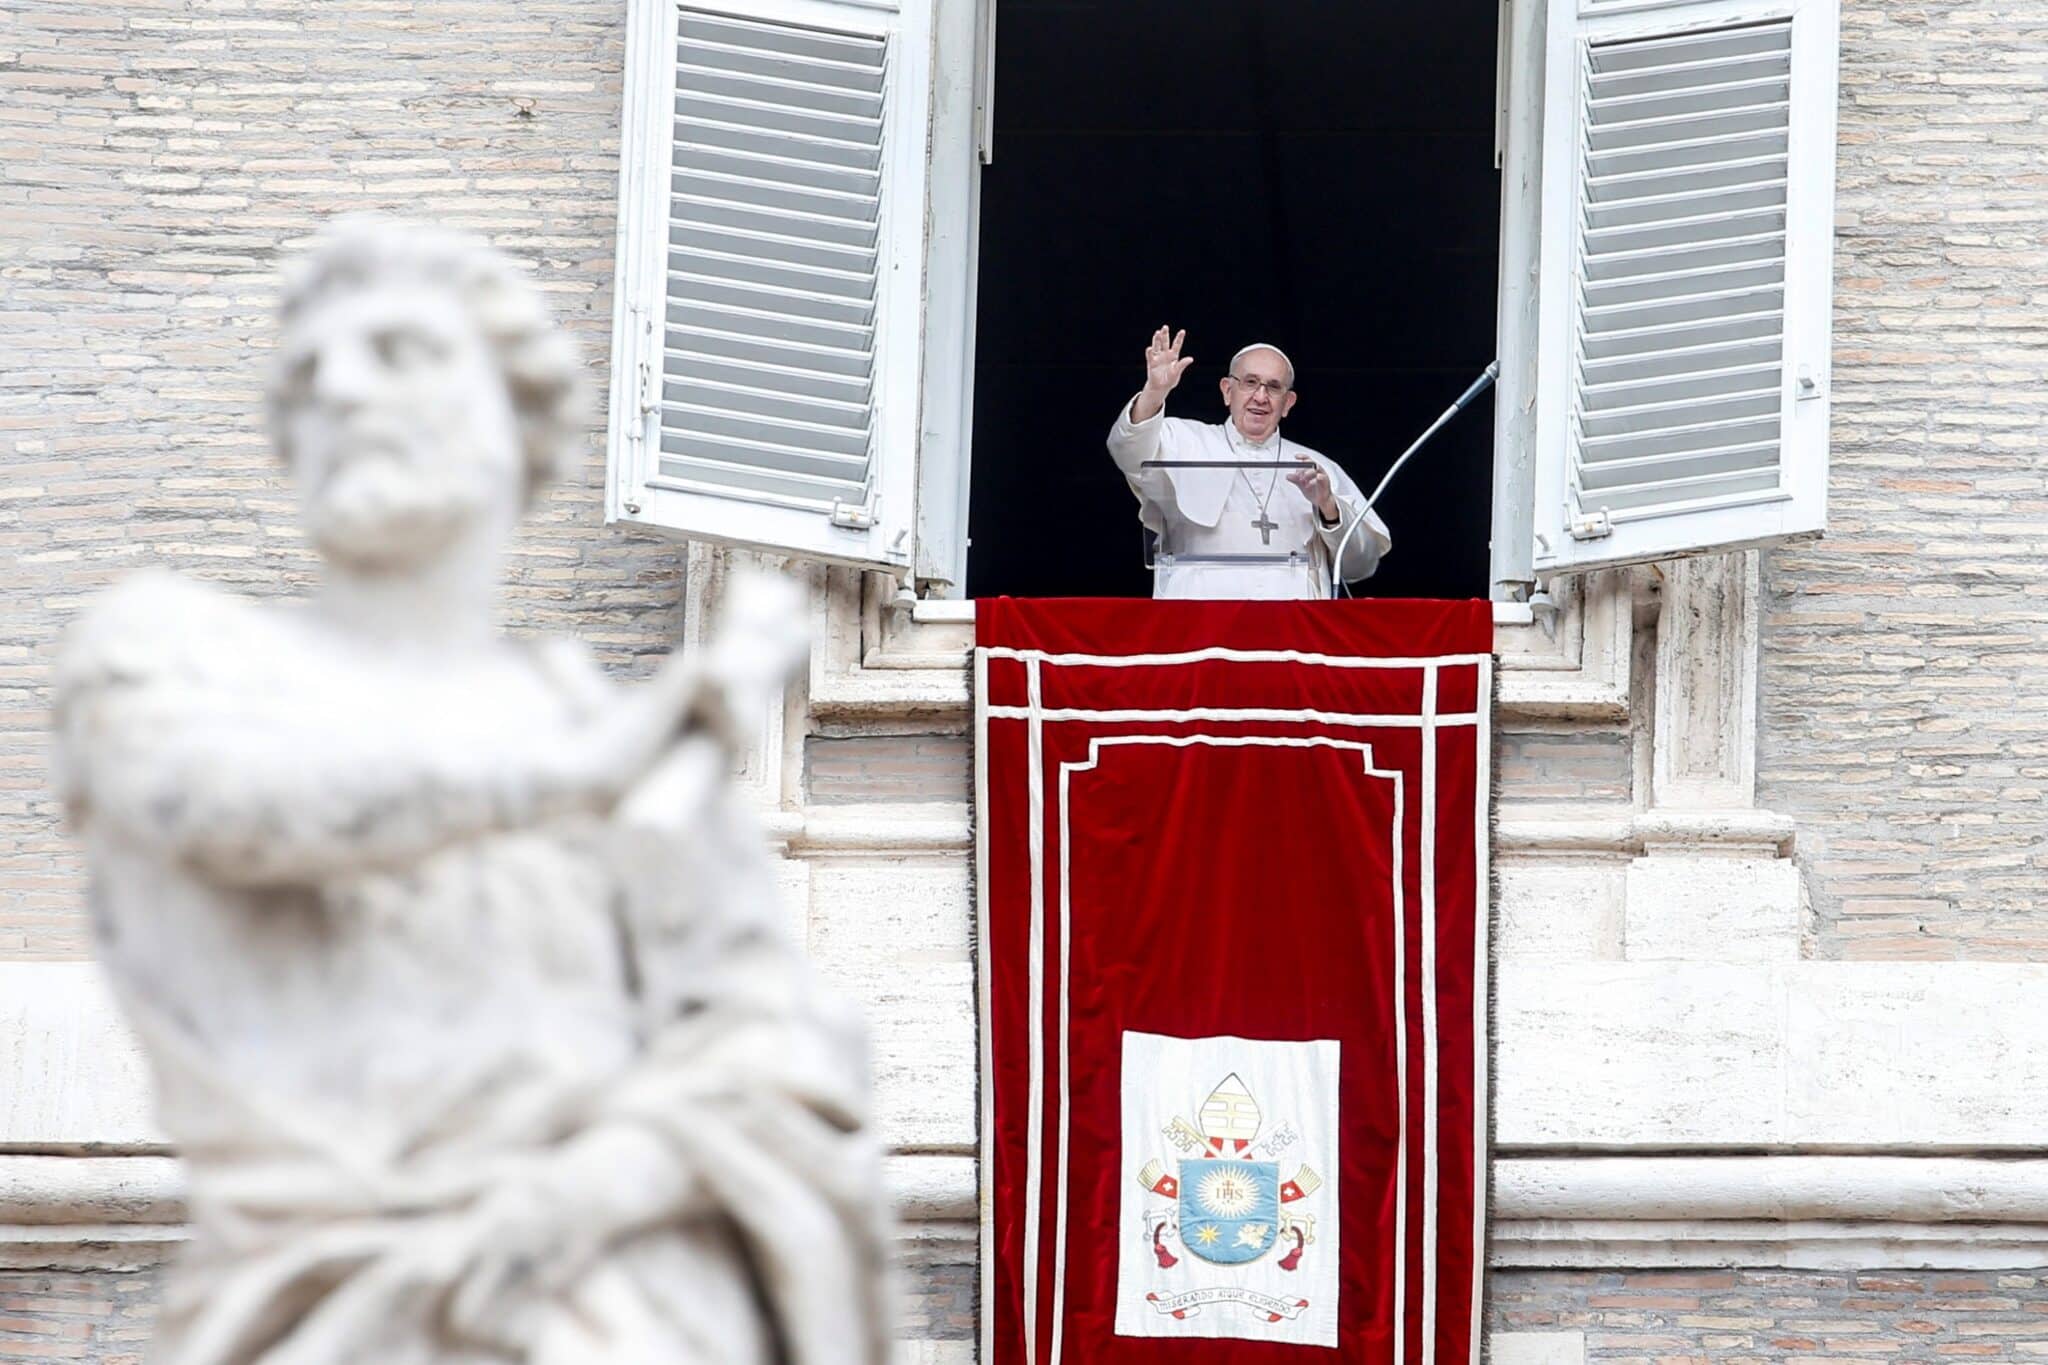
column 1318, row 175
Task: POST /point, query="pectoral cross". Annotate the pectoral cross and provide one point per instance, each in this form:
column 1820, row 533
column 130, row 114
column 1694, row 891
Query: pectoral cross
column 1266, row 527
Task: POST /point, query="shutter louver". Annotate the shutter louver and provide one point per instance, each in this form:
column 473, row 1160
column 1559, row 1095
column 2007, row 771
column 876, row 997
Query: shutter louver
column 1685, row 278
column 769, row 350
column 1679, row 320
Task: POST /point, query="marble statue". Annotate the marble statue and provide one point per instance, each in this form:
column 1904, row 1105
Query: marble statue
column 457, row 965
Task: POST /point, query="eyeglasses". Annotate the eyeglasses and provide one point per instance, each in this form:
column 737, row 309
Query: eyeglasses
column 1273, row 387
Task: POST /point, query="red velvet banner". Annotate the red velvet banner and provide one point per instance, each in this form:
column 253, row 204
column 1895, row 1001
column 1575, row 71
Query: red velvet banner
column 1231, row 867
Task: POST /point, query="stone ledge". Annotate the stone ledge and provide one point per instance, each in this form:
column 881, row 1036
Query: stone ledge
column 1542, row 828
column 876, row 660
column 1916, row 1059
column 124, row 1212
column 1536, row 1348
column 885, row 829
column 1920, row 1190
column 1521, row 829
column 140, row 1190
column 1752, row 1244
column 1813, row 1212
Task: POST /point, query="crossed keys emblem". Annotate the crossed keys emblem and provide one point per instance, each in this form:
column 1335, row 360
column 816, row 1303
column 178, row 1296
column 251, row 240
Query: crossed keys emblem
column 1228, row 1207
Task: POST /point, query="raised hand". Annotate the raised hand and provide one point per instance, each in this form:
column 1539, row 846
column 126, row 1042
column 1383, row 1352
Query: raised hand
column 1164, row 364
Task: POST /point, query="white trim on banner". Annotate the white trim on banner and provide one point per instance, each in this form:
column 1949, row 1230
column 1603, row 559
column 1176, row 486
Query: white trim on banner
column 985, row 1199
column 1034, row 1157
column 1430, row 1079
column 1095, row 747
column 1218, row 653
column 1482, row 893
column 1354, row 719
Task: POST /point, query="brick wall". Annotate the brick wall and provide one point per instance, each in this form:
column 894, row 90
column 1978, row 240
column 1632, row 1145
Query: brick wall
column 103, row 1318
column 842, row 769
column 1669, row 1317
column 1904, row 690
column 1726, row 1316
column 938, row 1302
column 158, row 154
column 1737, row 1317
column 1563, row 763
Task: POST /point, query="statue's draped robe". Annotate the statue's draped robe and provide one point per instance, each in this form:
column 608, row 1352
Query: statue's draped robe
column 350, row 1069
column 1201, row 512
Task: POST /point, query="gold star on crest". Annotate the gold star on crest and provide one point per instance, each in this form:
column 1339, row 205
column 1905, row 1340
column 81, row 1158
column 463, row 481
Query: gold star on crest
column 1208, row 1234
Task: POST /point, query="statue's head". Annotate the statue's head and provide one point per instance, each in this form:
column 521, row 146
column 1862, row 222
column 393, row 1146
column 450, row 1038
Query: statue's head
column 421, row 392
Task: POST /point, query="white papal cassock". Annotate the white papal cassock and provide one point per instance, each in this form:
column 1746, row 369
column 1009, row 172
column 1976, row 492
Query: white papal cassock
column 1239, row 512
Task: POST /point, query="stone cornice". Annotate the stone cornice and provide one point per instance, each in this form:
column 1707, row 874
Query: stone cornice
column 1818, row 1211
column 878, row 657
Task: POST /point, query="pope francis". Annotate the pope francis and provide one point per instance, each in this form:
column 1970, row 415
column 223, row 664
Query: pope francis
column 1241, row 512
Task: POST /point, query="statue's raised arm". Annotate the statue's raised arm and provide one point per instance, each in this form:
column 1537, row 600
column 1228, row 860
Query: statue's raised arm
column 255, row 749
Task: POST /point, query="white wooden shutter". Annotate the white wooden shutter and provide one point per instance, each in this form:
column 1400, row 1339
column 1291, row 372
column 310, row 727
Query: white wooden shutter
column 766, row 359
column 1688, row 187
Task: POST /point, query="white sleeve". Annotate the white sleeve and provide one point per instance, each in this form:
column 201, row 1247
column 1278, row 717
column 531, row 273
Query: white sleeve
column 1362, row 547
column 1133, row 443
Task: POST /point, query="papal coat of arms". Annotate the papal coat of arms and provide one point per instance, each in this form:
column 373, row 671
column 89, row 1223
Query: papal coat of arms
column 1225, row 1206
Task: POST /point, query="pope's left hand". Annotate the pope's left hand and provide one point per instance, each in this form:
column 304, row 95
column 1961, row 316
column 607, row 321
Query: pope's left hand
column 1314, row 484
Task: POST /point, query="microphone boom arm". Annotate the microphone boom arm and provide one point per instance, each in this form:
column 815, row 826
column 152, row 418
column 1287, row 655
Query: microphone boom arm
column 1478, row 386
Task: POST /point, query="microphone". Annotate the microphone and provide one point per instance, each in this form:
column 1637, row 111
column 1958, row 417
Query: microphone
column 1465, row 400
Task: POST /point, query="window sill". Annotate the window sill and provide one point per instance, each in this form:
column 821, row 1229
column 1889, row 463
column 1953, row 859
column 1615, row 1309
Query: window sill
column 876, row 660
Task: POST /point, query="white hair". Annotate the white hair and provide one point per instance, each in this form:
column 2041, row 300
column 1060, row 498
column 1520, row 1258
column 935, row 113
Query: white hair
column 1265, row 346
column 538, row 361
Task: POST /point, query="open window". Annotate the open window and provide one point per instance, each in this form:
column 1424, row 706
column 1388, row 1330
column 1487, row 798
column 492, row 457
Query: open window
column 843, row 336
column 1318, row 176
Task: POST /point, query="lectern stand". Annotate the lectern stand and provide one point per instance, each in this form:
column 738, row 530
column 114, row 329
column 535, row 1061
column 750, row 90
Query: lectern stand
column 1182, row 571
column 1280, row 575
